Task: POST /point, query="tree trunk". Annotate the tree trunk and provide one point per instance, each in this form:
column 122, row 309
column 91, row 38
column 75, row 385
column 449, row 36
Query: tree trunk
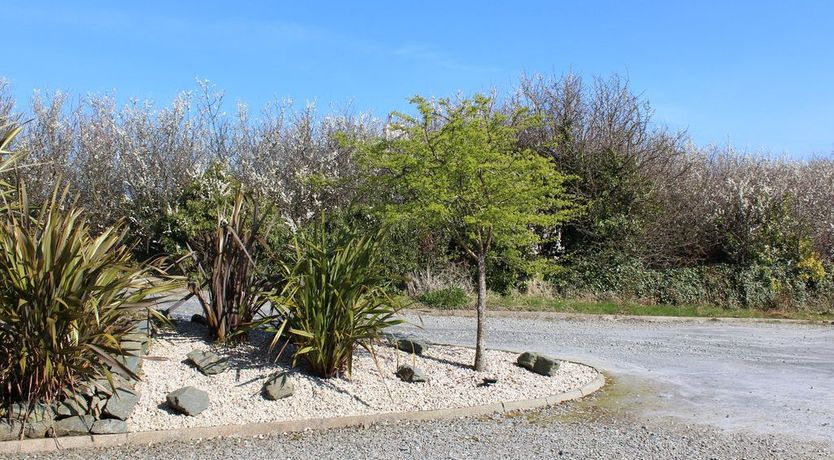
column 480, row 360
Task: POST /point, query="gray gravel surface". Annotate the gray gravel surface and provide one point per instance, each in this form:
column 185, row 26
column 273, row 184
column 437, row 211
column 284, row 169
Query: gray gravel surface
column 773, row 378
column 573, row 431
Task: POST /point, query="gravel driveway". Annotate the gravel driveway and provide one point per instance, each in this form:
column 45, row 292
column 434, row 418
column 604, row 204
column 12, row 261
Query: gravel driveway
column 768, row 378
column 679, row 390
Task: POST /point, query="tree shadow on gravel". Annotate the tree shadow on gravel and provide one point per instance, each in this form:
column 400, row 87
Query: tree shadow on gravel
column 447, row 362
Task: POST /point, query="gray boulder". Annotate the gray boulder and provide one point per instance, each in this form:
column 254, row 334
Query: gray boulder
column 97, row 405
column 76, row 425
column 411, row 374
column 207, row 362
column 10, row 430
column 76, row 405
column 527, row 360
column 104, row 389
column 131, row 363
column 39, row 429
column 143, row 326
column 109, row 426
column 136, row 341
column 188, row 400
column 278, row 387
column 546, row 366
column 39, row 412
column 412, row 346
column 121, row 404
column 540, row 364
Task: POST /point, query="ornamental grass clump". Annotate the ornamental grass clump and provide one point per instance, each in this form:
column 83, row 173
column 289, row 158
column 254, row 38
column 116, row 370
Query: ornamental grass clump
column 67, row 299
column 225, row 260
column 334, row 299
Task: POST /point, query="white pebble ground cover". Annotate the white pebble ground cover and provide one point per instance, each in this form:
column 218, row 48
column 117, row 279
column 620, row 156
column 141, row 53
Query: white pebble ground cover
column 236, row 398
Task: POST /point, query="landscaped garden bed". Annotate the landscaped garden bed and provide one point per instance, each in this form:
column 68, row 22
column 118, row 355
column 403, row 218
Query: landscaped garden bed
column 236, row 395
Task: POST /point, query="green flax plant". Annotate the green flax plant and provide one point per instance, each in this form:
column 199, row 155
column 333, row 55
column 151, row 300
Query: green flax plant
column 334, row 298
column 67, row 299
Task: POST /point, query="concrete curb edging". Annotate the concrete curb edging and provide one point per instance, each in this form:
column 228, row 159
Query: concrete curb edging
column 256, row 429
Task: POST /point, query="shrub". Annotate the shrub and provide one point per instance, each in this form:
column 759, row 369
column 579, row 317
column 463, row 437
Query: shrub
column 334, row 298
column 451, row 297
column 66, row 300
column 225, row 260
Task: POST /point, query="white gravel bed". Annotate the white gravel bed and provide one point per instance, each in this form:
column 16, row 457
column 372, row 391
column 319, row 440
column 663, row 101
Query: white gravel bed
column 235, row 395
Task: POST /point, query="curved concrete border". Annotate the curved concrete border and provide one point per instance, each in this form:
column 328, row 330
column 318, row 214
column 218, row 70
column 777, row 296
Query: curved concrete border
column 255, row 429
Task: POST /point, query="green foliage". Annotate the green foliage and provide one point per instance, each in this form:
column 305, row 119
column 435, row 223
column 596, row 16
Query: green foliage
column 225, row 261
column 66, row 299
column 458, row 167
column 334, row 298
column 810, row 266
column 405, row 247
column 450, row 297
column 618, row 198
column 195, row 214
column 759, row 286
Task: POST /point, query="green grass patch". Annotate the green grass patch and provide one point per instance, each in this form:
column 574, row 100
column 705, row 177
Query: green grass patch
column 548, row 304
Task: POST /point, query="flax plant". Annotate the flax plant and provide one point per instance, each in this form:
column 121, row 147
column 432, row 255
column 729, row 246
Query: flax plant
column 334, row 299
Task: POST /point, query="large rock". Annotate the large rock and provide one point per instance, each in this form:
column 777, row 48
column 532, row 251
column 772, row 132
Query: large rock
column 411, row 374
column 109, row 426
column 37, row 413
column 73, row 426
column 136, row 341
column 188, row 400
column 10, row 430
column 37, row 430
column 133, row 347
column 104, row 388
column 143, row 326
column 540, row 364
column 131, row 363
column 546, row 366
column 97, row 404
column 38, row 420
column 527, row 360
column 278, row 386
column 207, row 362
column 121, row 404
column 412, row 346
column 76, row 405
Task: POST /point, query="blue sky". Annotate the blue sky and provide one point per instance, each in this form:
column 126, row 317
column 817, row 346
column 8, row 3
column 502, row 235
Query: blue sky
column 757, row 75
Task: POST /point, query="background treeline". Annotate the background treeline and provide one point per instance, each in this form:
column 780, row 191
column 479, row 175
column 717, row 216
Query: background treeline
column 662, row 220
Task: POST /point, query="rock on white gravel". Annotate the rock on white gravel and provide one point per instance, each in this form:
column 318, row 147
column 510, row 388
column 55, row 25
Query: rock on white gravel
column 235, row 395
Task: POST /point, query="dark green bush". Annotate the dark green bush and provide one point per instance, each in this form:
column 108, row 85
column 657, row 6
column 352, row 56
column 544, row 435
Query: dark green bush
column 761, row 286
column 450, row 297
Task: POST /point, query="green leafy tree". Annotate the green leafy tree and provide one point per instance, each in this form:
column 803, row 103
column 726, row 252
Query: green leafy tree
column 458, row 166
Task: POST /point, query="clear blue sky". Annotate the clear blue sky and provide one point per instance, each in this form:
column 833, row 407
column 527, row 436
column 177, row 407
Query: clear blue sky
column 757, row 74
